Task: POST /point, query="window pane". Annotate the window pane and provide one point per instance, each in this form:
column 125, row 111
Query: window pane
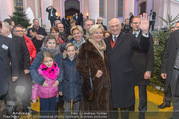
column 18, row 3
column 101, row 8
column 120, row 8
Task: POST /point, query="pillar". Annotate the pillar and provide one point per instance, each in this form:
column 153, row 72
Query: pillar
column 6, row 9
column 44, row 5
column 93, row 9
column 128, row 6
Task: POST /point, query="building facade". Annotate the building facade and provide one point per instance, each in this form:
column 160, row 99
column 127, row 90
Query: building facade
column 107, row 9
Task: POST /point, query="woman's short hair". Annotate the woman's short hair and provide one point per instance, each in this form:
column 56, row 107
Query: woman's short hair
column 77, row 27
column 95, row 27
column 49, row 37
column 54, row 28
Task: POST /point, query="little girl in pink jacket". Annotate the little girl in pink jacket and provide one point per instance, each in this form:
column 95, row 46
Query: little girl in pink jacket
column 48, row 70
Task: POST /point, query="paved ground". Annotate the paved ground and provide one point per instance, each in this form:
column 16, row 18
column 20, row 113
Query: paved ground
column 155, row 97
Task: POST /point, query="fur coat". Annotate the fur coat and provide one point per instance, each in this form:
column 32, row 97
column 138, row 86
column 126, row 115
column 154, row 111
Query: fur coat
column 90, row 58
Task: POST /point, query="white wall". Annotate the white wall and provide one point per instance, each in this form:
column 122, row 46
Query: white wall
column 6, row 9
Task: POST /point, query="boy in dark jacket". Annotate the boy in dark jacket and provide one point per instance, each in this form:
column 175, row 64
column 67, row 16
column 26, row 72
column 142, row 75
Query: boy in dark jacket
column 71, row 86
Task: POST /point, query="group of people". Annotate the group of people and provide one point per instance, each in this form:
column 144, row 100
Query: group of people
column 126, row 27
column 61, row 64
column 65, row 20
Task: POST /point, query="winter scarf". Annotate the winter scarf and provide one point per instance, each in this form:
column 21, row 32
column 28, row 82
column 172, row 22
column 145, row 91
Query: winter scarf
column 49, row 72
column 101, row 47
column 54, row 52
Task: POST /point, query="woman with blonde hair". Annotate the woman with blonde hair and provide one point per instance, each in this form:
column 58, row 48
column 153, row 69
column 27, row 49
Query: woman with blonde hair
column 77, row 34
column 92, row 63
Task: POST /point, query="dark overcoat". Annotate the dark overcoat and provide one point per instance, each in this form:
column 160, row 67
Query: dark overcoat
column 169, row 56
column 22, row 52
column 7, row 55
column 89, row 58
column 143, row 61
column 121, row 69
column 3, row 79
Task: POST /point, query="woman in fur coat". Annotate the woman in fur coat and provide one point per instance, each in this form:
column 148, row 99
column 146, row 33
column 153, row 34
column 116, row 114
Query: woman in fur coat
column 92, row 57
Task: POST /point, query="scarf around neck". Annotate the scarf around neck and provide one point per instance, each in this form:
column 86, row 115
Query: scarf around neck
column 101, row 47
column 54, row 52
column 49, row 72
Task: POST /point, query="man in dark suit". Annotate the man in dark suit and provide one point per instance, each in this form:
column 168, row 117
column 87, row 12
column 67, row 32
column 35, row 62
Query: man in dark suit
column 152, row 19
column 51, row 14
column 127, row 27
column 143, row 66
column 76, row 18
column 62, row 34
column 10, row 60
column 24, row 66
column 36, row 25
column 168, row 96
column 100, row 21
column 36, row 39
column 170, row 69
column 87, row 25
column 119, row 48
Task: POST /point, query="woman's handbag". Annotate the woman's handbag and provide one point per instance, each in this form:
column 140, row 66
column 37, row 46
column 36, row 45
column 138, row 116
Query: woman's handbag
column 88, row 90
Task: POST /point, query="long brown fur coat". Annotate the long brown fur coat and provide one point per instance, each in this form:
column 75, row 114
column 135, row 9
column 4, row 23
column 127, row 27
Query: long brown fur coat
column 90, row 58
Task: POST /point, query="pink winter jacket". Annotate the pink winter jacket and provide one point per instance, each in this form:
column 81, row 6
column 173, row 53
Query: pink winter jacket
column 50, row 78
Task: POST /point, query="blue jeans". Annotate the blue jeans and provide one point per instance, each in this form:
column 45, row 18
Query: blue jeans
column 47, row 105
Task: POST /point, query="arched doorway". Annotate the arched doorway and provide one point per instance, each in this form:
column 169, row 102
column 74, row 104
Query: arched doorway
column 143, row 7
column 71, row 7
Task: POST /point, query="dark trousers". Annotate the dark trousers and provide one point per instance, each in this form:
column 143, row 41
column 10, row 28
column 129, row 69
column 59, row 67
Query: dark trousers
column 143, row 98
column 61, row 102
column 47, row 105
column 173, row 82
column 10, row 96
column 152, row 23
column 168, row 96
column 52, row 22
column 124, row 112
column 142, row 101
